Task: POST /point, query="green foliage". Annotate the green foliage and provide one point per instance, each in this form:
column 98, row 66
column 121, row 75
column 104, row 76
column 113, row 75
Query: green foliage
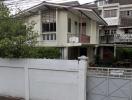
column 124, row 53
column 18, row 40
column 42, row 52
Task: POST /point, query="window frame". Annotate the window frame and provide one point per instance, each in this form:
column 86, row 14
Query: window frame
column 110, row 13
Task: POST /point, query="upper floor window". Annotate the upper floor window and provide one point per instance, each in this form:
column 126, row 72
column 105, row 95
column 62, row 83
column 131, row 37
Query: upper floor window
column 48, row 27
column 82, row 28
column 102, row 2
column 110, row 13
column 69, row 24
column 126, row 13
column 76, row 29
column 128, row 31
column 110, row 32
column 49, row 21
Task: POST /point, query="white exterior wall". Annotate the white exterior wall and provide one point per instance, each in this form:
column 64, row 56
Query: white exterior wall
column 74, row 18
column 62, row 29
column 111, row 20
column 42, row 79
column 36, row 19
column 94, row 32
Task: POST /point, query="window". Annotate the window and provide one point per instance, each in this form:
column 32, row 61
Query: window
column 49, row 21
column 113, row 31
column 110, row 13
column 51, row 36
column 128, row 13
column 82, row 28
column 110, row 32
column 128, row 31
column 75, row 27
column 69, row 24
column 107, row 32
column 48, row 27
column 101, row 3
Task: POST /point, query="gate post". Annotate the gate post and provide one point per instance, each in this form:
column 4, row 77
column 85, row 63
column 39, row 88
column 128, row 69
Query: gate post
column 83, row 63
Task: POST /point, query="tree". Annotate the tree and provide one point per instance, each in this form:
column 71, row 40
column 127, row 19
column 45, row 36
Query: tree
column 15, row 38
column 18, row 40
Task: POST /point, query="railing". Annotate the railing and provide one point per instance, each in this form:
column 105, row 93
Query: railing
column 107, row 39
column 117, row 38
column 111, row 72
column 78, row 38
column 123, row 38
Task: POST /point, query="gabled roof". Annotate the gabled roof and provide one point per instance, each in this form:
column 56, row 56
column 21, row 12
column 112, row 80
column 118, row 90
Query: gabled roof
column 87, row 11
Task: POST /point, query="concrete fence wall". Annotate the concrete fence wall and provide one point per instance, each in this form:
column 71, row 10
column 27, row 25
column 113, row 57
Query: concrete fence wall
column 43, row 79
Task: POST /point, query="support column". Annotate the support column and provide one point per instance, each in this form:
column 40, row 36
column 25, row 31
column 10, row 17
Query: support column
column 115, row 51
column 57, row 24
column 95, row 51
column 27, row 87
column 66, row 53
column 83, row 64
column 40, row 29
column 101, row 52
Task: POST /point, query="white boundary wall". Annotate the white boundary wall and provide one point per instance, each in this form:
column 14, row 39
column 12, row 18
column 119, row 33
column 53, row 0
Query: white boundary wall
column 44, row 79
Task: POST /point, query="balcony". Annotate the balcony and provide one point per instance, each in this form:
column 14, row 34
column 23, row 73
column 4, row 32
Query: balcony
column 123, row 38
column 126, row 21
column 107, row 39
column 117, row 38
column 78, row 38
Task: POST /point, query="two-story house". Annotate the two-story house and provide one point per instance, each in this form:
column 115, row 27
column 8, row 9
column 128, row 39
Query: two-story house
column 73, row 29
column 118, row 33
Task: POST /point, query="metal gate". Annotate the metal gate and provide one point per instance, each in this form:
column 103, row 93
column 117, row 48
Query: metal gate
column 109, row 84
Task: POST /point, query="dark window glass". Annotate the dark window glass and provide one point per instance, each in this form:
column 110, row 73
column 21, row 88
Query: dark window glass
column 48, row 27
column 69, row 24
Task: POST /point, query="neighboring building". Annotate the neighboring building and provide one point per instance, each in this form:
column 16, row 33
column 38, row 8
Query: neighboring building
column 118, row 33
column 73, row 29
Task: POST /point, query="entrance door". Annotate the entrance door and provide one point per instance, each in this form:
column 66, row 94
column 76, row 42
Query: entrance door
column 83, row 51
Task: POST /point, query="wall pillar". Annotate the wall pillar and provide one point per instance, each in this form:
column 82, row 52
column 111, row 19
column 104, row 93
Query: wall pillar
column 101, row 52
column 40, row 29
column 65, row 53
column 95, row 51
column 114, row 51
column 83, row 64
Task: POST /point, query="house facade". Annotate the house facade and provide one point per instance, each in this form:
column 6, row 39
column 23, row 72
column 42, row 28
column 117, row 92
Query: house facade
column 118, row 33
column 74, row 30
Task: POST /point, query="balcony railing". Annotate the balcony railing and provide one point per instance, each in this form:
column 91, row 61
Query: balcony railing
column 117, row 38
column 107, row 39
column 123, row 38
column 78, row 38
